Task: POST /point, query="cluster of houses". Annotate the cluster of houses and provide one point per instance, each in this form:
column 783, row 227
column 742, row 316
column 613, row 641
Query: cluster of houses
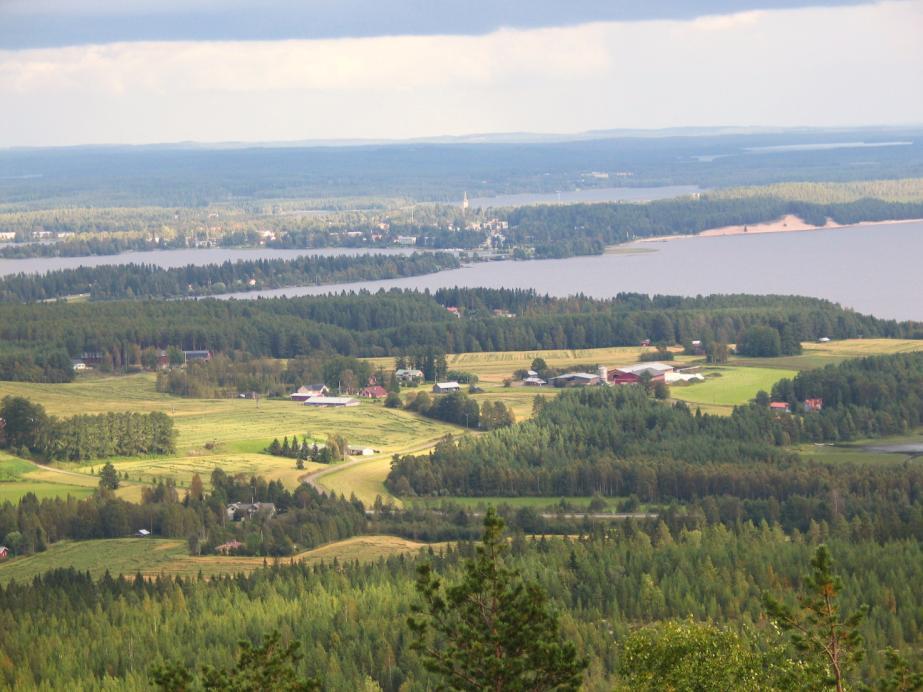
column 318, row 395
column 629, row 374
column 812, row 405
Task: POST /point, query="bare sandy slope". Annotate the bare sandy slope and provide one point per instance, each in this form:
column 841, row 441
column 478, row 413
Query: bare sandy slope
column 787, row 224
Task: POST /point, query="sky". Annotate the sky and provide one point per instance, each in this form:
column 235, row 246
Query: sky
column 147, row 71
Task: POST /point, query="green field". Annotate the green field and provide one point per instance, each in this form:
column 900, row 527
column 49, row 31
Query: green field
column 152, row 556
column 231, row 433
column 729, row 386
column 18, row 477
column 212, row 433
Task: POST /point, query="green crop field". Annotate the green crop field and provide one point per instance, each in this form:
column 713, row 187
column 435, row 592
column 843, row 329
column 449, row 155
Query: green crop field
column 728, row 386
column 152, row 556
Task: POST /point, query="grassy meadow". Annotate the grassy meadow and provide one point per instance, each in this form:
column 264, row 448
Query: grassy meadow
column 729, row 386
column 212, row 433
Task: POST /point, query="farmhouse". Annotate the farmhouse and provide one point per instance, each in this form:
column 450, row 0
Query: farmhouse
column 306, row 392
column 331, row 401
column 239, row 511
column 575, row 379
column 77, row 364
column 197, row 356
column 813, row 405
column 374, row 391
column 408, row 374
column 779, row 407
column 534, row 381
column 446, row 387
column 655, row 370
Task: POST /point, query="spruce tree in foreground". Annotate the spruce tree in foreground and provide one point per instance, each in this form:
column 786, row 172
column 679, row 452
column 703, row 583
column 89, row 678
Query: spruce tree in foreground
column 829, row 644
column 493, row 630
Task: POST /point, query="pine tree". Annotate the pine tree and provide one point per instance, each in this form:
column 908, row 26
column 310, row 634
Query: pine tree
column 830, row 644
column 493, row 630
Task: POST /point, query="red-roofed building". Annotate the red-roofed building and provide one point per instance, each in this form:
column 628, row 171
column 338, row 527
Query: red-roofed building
column 619, row 377
column 779, row 407
column 813, row 404
column 375, row 391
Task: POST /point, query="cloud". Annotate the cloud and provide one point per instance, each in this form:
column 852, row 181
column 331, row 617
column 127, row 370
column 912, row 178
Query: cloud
column 46, row 23
column 816, row 66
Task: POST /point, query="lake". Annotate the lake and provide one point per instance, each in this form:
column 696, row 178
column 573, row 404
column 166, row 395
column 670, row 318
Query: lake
column 178, row 258
column 597, row 194
column 874, row 269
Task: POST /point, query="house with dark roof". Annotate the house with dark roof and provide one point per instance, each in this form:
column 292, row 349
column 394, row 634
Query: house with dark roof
column 575, row 379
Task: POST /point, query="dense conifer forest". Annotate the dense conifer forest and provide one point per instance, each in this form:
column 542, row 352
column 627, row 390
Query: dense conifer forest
column 38, row 340
column 148, row 281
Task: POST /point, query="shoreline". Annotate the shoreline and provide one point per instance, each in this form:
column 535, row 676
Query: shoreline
column 787, row 224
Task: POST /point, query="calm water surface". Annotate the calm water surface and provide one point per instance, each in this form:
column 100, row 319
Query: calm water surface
column 178, row 258
column 875, row 269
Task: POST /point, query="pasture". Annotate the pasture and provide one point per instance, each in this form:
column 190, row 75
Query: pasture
column 729, row 386
column 225, row 433
column 152, row 556
column 18, row 477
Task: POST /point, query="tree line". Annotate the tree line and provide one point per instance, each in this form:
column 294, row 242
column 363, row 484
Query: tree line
column 108, row 282
column 25, row 428
column 37, row 339
column 586, row 229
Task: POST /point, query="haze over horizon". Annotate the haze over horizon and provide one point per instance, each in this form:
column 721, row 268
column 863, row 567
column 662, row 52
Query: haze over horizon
column 204, row 71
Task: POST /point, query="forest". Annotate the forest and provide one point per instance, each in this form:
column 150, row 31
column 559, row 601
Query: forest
column 174, row 176
column 37, row 340
column 618, row 442
column 349, row 618
column 148, row 281
column 587, row 229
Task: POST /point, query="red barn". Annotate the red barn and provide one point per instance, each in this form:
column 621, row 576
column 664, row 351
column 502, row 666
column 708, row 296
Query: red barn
column 619, row 377
column 374, row 392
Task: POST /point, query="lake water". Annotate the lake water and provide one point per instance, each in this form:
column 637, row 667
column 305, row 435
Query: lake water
column 599, row 194
column 178, row 258
column 874, row 269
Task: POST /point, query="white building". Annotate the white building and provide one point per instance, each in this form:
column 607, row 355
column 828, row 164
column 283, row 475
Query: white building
column 331, row 401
